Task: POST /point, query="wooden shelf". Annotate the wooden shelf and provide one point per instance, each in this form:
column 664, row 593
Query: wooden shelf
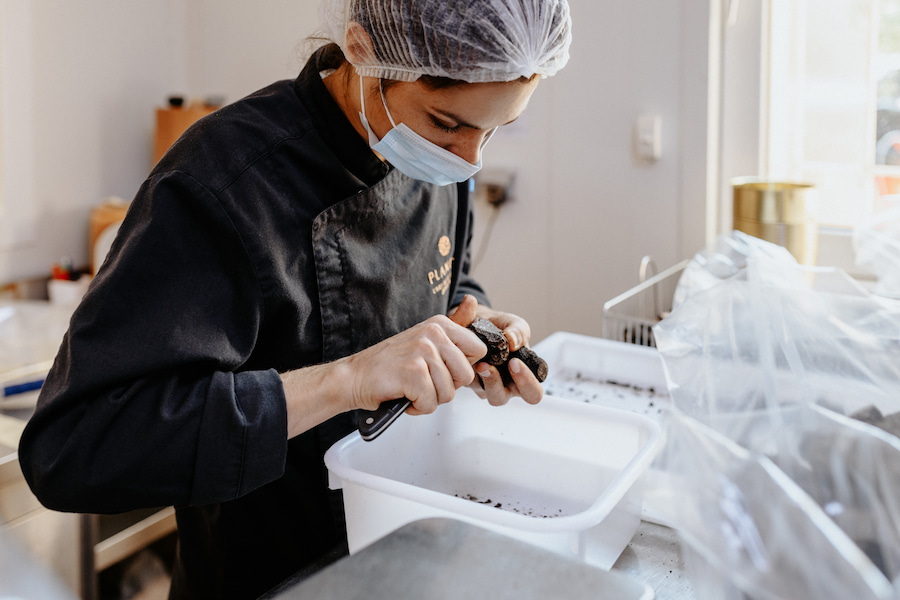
column 129, row 540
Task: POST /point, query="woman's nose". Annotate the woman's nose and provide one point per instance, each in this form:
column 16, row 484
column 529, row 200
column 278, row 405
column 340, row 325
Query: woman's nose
column 469, row 148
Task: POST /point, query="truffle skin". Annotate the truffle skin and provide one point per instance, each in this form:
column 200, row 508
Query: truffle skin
column 535, row 364
column 493, row 338
column 498, row 353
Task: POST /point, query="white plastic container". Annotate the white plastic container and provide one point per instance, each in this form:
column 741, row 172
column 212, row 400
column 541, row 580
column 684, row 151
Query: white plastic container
column 613, row 374
column 607, row 372
column 559, row 474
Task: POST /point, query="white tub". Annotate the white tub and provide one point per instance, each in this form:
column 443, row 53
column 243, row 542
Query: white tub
column 605, row 372
column 559, row 475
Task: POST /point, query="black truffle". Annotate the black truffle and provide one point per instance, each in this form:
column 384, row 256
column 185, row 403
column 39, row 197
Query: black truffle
column 493, row 338
column 498, row 353
column 535, row 364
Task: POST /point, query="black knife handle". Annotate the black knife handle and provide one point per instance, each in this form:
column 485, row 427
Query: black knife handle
column 371, row 423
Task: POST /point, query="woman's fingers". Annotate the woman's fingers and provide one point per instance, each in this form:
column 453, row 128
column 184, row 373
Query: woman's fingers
column 515, row 328
column 426, row 364
column 524, row 384
column 492, row 384
column 466, row 312
column 430, row 361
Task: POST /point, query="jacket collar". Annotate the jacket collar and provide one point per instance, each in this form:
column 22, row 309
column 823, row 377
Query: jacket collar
column 340, row 135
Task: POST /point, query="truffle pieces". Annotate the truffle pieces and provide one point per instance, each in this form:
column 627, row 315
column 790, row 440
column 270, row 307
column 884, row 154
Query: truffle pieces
column 535, row 364
column 493, row 338
column 498, row 353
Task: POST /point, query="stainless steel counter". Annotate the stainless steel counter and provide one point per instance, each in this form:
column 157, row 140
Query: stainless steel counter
column 50, row 539
column 443, row 559
column 654, row 556
column 83, row 545
column 16, row 499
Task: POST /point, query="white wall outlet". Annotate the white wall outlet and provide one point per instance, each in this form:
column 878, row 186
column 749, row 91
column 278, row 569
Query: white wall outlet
column 649, row 137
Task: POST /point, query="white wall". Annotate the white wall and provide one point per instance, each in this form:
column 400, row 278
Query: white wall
column 236, row 47
column 584, row 211
column 97, row 70
column 586, row 208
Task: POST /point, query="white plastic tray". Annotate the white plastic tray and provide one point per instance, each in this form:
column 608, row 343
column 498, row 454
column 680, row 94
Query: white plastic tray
column 609, row 373
column 559, row 474
column 605, row 372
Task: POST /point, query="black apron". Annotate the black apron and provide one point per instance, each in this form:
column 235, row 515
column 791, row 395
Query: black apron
column 384, row 262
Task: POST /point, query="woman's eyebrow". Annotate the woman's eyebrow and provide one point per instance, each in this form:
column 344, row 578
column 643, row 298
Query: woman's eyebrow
column 462, row 122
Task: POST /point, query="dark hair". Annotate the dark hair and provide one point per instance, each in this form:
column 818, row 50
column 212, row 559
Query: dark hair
column 434, row 83
column 430, row 81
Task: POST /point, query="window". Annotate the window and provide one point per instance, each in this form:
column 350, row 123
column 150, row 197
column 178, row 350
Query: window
column 809, row 90
column 887, row 92
column 823, row 57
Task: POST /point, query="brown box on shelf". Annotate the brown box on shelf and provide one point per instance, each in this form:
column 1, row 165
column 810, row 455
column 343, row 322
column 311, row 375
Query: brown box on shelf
column 171, row 123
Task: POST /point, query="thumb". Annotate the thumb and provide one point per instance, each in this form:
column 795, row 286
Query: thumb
column 465, row 312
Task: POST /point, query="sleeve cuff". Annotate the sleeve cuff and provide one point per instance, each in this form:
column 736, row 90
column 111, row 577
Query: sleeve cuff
column 243, row 438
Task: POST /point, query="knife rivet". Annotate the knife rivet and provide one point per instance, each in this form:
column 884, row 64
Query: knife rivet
column 370, row 420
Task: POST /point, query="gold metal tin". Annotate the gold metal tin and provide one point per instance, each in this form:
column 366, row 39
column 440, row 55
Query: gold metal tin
column 779, row 212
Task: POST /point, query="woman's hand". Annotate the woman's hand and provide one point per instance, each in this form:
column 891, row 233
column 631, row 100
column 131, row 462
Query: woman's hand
column 426, row 364
column 518, row 333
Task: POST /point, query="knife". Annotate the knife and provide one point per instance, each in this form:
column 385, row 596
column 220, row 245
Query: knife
column 372, row 423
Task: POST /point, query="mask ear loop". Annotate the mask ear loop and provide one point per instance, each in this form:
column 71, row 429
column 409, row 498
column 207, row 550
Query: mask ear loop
column 384, row 102
column 373, row 139
column 488, row 137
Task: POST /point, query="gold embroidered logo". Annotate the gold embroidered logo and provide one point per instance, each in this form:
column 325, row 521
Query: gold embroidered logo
column 439, row 279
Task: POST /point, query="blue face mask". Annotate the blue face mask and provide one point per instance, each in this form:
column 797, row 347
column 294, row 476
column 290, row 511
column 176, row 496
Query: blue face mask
column 413, row 155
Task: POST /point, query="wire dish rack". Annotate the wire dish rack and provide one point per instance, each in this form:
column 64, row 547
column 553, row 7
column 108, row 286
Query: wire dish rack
column 630, row 317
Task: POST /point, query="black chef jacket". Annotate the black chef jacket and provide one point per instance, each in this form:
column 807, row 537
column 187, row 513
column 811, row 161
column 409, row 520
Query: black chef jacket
column 245, row 254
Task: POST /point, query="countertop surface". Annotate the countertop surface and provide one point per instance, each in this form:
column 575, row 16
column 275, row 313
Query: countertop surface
column 14, row 413
column 443, row 558
column 30, row 334
column 654, row 556
column 10, row 430
column 447, row 559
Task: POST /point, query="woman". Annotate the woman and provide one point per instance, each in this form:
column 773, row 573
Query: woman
column 291, row 259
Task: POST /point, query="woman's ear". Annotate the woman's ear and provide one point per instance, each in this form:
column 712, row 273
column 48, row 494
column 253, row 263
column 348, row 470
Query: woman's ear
column 359, row 45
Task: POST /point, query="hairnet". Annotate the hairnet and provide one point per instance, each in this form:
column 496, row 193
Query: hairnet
column 470, row 40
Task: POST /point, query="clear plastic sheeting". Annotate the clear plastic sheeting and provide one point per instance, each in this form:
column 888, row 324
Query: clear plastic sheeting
column 877, row 245
column 776, row 333
column 751, row 531
column 725, row 258
column 783, row 455
column 749, row 345
column 473, row 40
